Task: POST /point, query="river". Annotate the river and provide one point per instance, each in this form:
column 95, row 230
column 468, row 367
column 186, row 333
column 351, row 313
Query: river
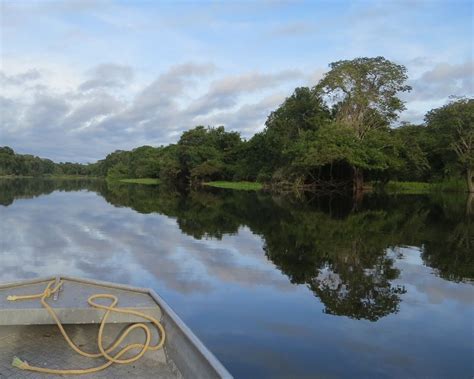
column 274, row 286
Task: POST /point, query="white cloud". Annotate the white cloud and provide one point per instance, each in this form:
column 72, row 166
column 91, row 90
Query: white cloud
column 433, row 87
column 107, row 76
column 19, row 79
column 89, row 120
column 248, row 118
column 225, row 93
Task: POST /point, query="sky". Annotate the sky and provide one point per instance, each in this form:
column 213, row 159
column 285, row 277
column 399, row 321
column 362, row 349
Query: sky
column 81, row 78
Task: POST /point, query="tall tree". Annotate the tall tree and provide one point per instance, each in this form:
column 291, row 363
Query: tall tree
column 363, row 93
column 453, row 126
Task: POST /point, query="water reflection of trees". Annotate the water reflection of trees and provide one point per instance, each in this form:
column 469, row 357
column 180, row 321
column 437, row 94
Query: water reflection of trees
column 343, row 261
column 449, row 241
column 343, row 256
column 26, row 188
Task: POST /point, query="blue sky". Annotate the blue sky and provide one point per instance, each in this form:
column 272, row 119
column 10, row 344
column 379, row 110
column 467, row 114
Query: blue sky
column 82, row 78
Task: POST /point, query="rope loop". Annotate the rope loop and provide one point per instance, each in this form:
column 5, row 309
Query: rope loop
column 104, row 352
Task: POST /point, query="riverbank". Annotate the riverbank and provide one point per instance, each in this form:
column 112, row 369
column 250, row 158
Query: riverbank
column 243, row 186
column 408, row 188
column 393, row 187
column 148, row 181
column 418, row 188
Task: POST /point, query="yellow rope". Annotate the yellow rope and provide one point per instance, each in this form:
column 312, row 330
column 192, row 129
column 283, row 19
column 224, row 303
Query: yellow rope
column 103, row 353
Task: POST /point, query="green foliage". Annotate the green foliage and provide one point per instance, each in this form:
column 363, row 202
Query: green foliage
column 144, row 162
column 452, row 128
column 12, row 164
column 334, row 145
column 410, row 142
column 170, row 169
column 207, row 154
column 208, row 170
column 118, row 171
column 364, row 92
column 453, row 123
column 260, row 156
column 303, row 111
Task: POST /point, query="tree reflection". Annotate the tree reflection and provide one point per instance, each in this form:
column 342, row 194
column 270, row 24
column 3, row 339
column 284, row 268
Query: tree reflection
column 345, row 257
column 26, row 188
column 343, row 261
column 449, row 245
column 341, row 255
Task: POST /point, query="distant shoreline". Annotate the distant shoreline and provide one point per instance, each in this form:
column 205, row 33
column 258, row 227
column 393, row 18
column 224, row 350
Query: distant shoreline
column 243, row 186
column 392, row 187
column 148, row 181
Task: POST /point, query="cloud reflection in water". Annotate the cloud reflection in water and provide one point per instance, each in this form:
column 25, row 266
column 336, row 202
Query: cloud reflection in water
column 250, row 275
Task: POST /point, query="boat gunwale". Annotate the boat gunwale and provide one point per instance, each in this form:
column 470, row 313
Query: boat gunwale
column 166, row 309
column 20, row 283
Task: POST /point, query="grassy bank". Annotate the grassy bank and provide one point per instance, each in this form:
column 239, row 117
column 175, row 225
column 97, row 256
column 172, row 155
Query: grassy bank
column 409, row 188
column 414, row 188
column 393, row 187
column 149, row 181
column 244, row 186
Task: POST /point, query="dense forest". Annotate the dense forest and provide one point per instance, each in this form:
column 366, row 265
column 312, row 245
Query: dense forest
column 335, row 135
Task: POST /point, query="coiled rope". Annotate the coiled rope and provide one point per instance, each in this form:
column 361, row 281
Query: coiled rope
column 103, row 352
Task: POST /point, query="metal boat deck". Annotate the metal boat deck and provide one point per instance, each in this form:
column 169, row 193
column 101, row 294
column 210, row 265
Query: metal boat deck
column 27, row 331
column 44, row 346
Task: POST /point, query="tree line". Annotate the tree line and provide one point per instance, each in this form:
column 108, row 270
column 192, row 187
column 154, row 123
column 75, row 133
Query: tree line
column 337, row 134
column 13, row 164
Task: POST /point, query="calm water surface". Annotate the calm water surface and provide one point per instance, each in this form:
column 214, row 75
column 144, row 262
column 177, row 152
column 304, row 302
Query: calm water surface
column 316, row 287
